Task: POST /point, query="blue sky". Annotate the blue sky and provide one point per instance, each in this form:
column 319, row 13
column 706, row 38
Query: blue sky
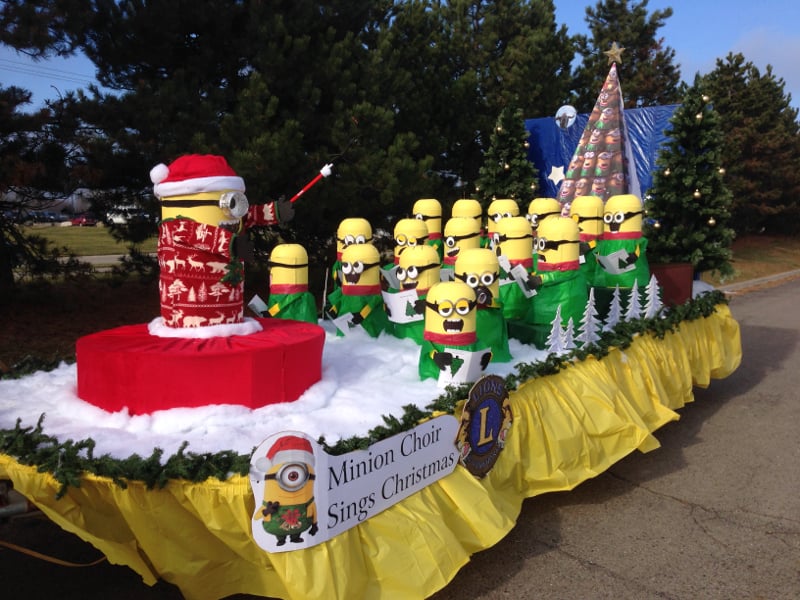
column 700, row 31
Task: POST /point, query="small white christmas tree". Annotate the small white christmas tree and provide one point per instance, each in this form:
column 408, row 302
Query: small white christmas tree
column 568, row 342
column 590, row 326
column 614, row 310
column 653, row 304
column 634, row 305
column 555, row 341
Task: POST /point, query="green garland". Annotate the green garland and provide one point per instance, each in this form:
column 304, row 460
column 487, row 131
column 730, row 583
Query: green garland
column 67, row 461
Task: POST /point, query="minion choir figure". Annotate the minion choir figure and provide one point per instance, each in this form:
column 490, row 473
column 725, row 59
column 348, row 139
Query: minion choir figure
column 408, row 233
column 360, row 303
column 460, row 234
column 563, row 286
column 513, row 244
column 289, row 297
column 417, row 272
column 587, row 211
column 450, row 330
column 621, row 252
column 352, row 230
column 429, row 211
column 480, row 270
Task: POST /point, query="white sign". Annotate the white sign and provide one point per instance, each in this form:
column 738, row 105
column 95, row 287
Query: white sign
column 304, row 496
column 390, row 275
column 400, row 306
column 465, row 367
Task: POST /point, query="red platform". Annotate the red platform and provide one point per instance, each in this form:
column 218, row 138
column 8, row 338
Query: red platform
column 128, row 367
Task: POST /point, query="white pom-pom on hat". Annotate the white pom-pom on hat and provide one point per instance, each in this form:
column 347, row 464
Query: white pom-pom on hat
column 159, row 173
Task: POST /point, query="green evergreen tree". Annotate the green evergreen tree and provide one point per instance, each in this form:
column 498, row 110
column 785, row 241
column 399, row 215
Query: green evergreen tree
column 506, row 171
column 689, row 206
column 761, row 145
column 648, row 69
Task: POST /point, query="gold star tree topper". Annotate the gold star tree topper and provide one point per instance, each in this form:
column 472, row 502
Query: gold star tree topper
column 615, row 54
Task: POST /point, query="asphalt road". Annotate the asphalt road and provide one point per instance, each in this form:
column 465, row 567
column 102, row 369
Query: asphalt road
column 712, row 514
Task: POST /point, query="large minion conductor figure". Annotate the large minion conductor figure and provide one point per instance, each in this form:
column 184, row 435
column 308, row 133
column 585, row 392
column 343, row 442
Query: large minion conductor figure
column 360, row 304
column 204, row 212
column 480, row 270
column 563, row 288
column 587, row 211
column 460, row 234
column 289, row 297
column 418, row 271
column 450, row 325
column 288, row 508
column 513, row 243
column 429, row 210
column 621, row 251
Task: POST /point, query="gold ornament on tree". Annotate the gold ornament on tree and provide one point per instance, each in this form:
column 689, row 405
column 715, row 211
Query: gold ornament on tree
column 712, row 221
column 667, row 172
column 697, row 194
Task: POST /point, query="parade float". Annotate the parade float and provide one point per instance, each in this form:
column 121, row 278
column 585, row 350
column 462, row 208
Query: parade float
column 337, row 469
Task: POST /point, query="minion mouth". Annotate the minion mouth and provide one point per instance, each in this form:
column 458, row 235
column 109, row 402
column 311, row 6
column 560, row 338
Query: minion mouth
column 352, row 278
column 411, row 285
column 453, row 325
column 542, row 257
column 453, row 252
column 614, row 227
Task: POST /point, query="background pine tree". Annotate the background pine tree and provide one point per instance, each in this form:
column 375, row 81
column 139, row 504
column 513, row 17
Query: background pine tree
column 689, row 206
column 506, row 171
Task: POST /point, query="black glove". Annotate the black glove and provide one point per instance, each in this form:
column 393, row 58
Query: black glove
column 631, row 259
column 534, row 282
column 419, row 306
column 357, row 318
column 271, row 508
column 314, row 529
column 442, row 359
column 485, row 360
column 284, row 210
column 584, row 248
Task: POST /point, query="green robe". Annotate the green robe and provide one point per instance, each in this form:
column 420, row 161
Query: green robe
column 376, row 321
column 639, row 272
column 300, row 306
column 428, row 369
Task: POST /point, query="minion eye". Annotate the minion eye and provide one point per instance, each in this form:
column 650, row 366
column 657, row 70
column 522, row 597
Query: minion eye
column 401, row 274
column 411, row 242
column 496, row 217
column 419, row 217
column 450, row 241
column 487, row 279
column 412, row 271
column 360, row 239
column 349, row 239
column 400, row 239
column 445, row 309
column 234, row 203
column 358, row 267
column 472, row 280
column 462, row 307
column 507, row 215
column 619, row 217
column 608, row 218
column 292, row 476
column 541, row 244
column 347, row 268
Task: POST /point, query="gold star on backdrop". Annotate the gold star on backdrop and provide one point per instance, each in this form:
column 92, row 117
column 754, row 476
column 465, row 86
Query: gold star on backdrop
column 615, row 54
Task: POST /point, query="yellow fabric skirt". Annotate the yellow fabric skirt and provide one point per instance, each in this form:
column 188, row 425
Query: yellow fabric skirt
column 567, row 428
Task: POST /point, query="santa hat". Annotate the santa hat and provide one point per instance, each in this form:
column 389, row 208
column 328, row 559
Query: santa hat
column 288, row 449
column 194, row 173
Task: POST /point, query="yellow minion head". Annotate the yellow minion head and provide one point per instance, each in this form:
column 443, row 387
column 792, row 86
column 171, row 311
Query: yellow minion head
column 288, row 469
column 407, row 234
column 467, row 207
column 450, row 313
column 540, row 209
column 557, row 242
column 201, row 187
column 288, row 266
column 360, row 269
column 460, row 233
column 500, row 209
column 480, row 270
column 587, row 211
column 623, row 214
column 429, row 210
column 513, row 239
column 419, row 268
column 353, row 230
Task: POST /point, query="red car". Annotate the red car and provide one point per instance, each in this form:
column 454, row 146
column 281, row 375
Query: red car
column 84, row 220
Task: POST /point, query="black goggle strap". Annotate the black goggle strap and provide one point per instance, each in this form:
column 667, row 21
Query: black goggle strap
column 272, row 263
column 184, row 203
column 275, row 476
